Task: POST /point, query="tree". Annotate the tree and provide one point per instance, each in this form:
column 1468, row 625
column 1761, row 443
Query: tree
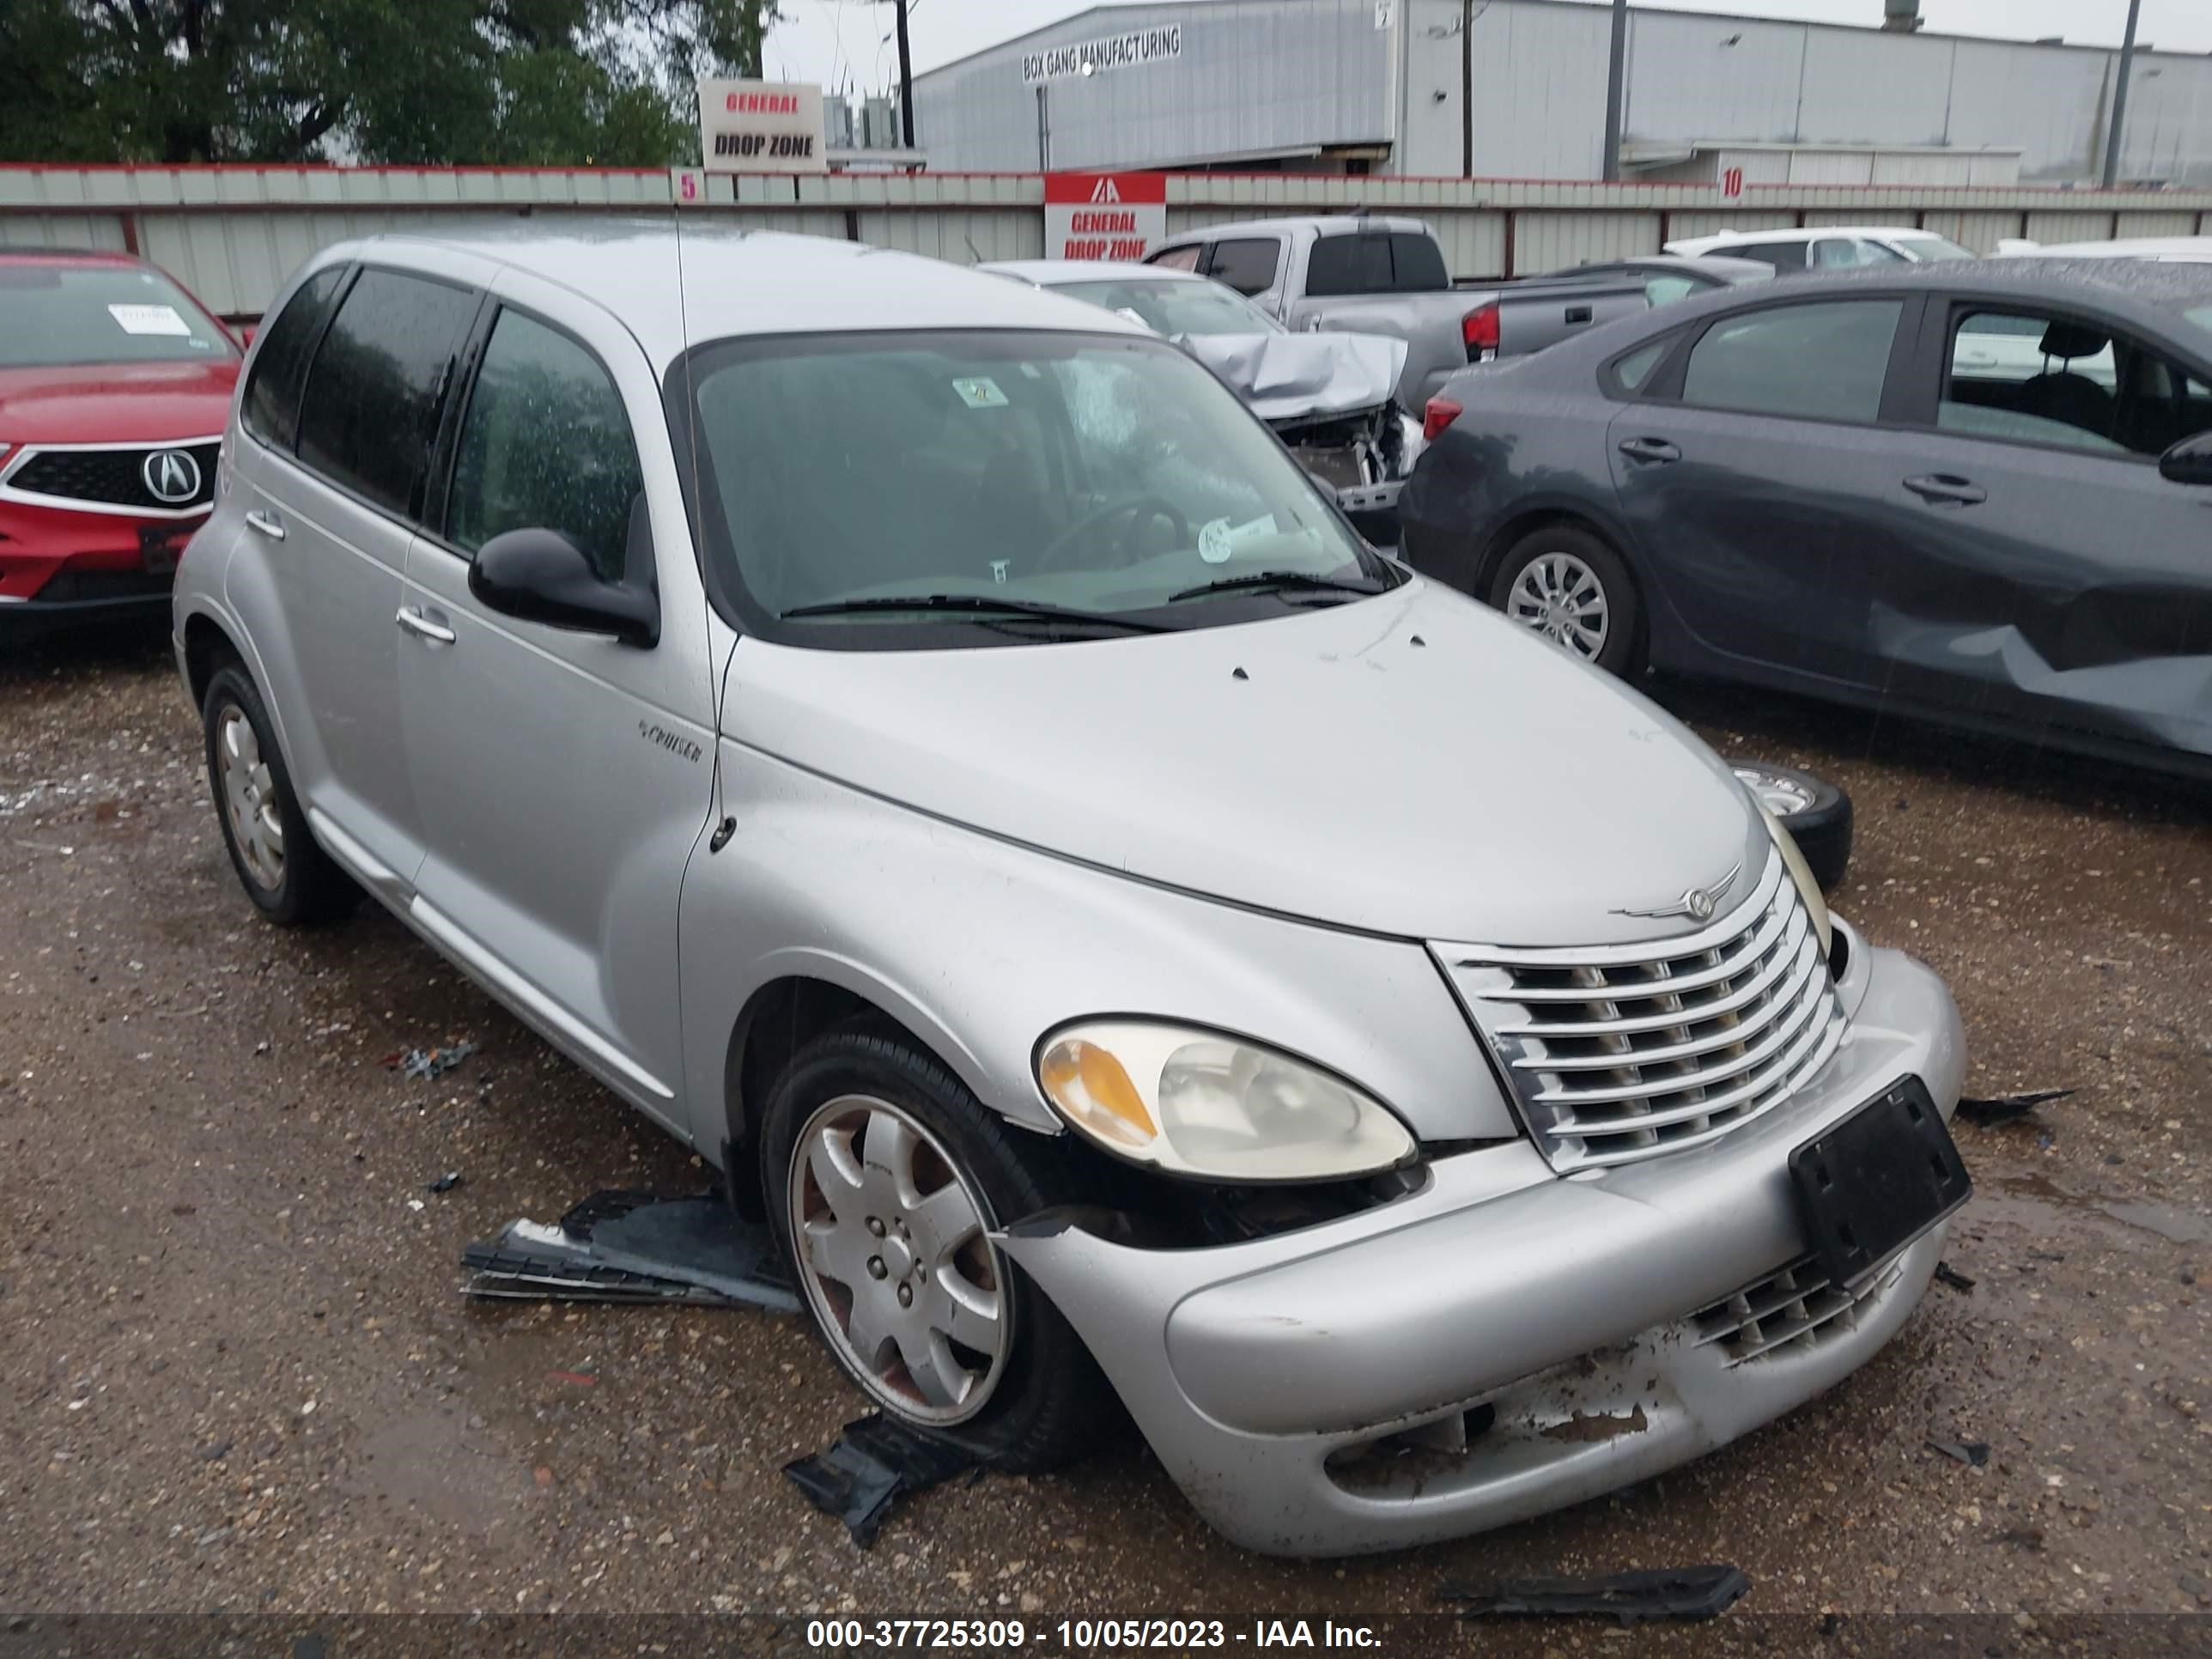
column 428, row 81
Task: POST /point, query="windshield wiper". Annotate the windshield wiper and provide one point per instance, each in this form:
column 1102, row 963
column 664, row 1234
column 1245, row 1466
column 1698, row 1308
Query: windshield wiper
column 1264, row 579
column 978, row 603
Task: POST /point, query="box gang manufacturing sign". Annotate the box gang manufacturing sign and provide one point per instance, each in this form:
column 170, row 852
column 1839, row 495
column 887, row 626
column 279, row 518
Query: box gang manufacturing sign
column 1095, row 57
column 761, row 127
column 1103, row 216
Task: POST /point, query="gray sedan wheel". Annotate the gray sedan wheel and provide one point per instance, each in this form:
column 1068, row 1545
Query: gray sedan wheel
column 1564, row 582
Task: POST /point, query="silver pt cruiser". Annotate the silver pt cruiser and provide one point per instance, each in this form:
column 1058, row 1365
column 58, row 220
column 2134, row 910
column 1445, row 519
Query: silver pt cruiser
column 922, row 743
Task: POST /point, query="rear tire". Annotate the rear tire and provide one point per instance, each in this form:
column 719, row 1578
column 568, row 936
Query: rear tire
column 290, row 879
column 1566, row 583
column 881, row 1174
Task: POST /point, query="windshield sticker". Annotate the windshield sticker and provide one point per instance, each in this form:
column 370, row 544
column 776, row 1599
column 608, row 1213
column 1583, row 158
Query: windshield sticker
column 1215, row 543
column 980, row 392
column 150, row 319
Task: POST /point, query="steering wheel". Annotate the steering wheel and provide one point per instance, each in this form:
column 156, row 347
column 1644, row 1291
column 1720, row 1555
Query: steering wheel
column 1138, row 509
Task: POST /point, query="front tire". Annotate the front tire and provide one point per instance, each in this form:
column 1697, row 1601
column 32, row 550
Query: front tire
column 290, row 879
column 883, row 1175
column 1564, row 582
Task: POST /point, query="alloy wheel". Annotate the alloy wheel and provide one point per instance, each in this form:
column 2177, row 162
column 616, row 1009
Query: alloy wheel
column 1562, row 599
column 890, row 1237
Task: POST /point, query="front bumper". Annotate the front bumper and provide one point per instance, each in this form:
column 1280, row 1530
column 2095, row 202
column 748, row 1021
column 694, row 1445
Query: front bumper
column 1551, row 1321
column 60, row 567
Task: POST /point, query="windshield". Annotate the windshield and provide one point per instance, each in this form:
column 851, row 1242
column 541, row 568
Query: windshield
column 53, row 314
column 1931, row 248
column 1170, row 308
column 1103, row 475
column 2202, row 316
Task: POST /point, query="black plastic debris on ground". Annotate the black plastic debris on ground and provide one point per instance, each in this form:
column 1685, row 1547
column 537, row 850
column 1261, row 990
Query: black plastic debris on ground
column 1973, row 1453
column 1947, row 1274
column 635, row 1247
column 1685, row 1593
column 2006, row 1108
column 872, row 1464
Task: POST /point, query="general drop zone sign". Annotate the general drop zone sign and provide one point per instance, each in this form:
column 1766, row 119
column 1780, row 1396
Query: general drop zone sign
column 1103, row 216
column 761, row 127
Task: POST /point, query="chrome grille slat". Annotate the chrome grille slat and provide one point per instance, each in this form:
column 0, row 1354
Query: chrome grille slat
column 1777, row 962
column 1772, row 1039
column 1621, row 1053
column 1696, row 979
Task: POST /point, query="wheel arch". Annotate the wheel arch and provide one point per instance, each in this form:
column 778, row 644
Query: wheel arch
column 1530, row 517
column 207, row 646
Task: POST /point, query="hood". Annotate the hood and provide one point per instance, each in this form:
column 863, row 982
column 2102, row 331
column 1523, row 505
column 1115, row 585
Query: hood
column 115, row 402
column 1410, row 764
column 1288, row 377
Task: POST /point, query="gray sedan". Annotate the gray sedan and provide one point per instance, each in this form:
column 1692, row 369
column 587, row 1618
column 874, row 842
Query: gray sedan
column 1977, row 490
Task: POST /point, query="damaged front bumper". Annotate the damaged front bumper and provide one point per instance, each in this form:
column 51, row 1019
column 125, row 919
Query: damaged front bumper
column 1504, row 1342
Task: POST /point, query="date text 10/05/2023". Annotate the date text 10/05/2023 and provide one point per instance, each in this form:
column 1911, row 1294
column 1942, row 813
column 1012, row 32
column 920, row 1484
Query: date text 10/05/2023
column 1087, row 1634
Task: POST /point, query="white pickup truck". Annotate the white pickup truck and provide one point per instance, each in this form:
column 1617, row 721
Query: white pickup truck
column 1365, row 274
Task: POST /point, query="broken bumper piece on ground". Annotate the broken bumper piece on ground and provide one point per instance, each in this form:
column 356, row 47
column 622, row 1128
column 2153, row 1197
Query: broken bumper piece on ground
column 1687, row 1593
column 634, row 1247
column 870, row 1467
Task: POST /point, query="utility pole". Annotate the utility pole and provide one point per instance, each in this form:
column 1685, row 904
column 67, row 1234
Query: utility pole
column 1467, row 89
column 1616, row 77
column 2120, row 99
column 906, row 75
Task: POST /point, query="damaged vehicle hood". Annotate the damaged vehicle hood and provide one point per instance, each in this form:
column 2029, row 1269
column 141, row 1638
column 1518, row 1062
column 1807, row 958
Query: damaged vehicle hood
column 1293, row 377
column 1411, row 765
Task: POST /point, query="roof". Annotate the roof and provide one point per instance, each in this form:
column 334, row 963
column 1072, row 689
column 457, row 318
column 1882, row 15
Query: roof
column 1321, row 224
column 672, row 287
column 2128, row 248
column 1052, row 273
column 71, row 255
column 1800, row 234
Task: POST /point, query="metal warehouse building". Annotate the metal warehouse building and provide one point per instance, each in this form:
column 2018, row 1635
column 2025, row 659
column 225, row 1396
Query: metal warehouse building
column 1380, row 86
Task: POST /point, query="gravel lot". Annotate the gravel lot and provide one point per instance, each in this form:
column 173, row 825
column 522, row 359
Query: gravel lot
column 242, row 1379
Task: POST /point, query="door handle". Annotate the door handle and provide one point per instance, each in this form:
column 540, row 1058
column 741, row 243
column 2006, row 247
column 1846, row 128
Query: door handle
column 415, row 623
column 1946, row 489
column 1650, row 449
column 267, row 525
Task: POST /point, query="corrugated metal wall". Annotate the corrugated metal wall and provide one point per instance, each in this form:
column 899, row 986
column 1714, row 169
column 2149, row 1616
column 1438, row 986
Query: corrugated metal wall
column 1254, row 78
column 233, row 234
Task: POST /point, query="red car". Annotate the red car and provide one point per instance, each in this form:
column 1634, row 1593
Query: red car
column 114, row 387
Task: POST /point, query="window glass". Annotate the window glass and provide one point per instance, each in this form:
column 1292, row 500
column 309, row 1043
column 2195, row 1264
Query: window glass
column 1824, row 360
column 1357, row 264
column 1881, row 253
column 1179, row 258
column 52, row 314
column 1782, row 255
column 1929, row 249
column 1417, row 264
column 1634, row 370
column 1246, row 264
column 2040, row 378
column 2202, row 316
column 545, row 445
column 1171, row 307
column 1665, row 290
column 370, row 412
column 1100, row 473
column 271, row 408
column 1835, row 252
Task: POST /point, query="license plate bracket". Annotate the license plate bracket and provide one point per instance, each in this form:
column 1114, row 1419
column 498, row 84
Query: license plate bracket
column 1873, row 1183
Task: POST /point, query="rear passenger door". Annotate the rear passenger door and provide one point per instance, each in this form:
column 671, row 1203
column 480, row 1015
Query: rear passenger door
column 335, row 482
column 2056, row 581
column 564, row 778
column 1759, row 476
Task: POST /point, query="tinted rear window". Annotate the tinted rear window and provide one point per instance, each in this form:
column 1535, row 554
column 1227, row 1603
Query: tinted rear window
column 371, row 408
column 53, row 313
column 1825, row 361
column 1417, row 264
column 271, row 406
column 1375, row 262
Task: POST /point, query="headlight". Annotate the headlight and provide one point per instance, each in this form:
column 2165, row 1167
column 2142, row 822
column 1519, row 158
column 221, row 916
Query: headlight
column 1808, row 889
column 1195, row 1102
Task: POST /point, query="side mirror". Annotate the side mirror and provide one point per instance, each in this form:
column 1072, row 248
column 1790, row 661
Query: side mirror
column 541, row 576
column 2189, row 462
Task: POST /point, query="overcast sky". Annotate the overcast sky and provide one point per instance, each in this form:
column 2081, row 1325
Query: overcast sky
column 841, row 43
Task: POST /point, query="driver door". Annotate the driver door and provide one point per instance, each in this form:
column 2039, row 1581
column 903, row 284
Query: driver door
column 564, row 777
